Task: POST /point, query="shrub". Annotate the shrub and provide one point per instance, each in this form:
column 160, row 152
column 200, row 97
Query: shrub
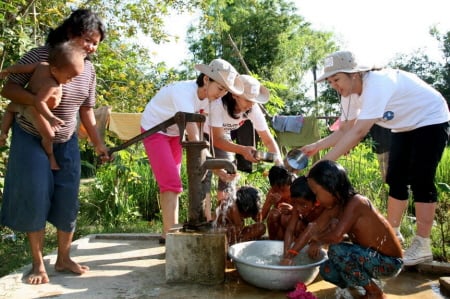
column 122, row 191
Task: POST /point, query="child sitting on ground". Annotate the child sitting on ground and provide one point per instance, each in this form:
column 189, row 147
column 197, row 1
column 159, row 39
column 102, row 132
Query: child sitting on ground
column 65, row 62
column 278, row 207
column 373, row 251
column 232, row 217
column 306, row 209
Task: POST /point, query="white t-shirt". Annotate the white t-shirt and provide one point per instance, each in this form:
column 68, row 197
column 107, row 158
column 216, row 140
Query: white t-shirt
column 400, row 100
column 218, row 117
column 350, row 107
column 176, row 97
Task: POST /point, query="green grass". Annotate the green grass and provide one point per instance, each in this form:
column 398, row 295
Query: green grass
column 123, row 199
column 15, row 252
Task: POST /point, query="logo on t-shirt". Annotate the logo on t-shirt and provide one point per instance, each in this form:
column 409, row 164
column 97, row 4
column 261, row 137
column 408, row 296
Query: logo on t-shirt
column 388, row 115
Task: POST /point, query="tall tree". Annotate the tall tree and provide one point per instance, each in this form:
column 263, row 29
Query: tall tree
column 444, row 84
column 275, row 42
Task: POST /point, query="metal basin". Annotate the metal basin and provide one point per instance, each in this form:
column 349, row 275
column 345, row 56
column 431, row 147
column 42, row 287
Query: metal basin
column 258, row 263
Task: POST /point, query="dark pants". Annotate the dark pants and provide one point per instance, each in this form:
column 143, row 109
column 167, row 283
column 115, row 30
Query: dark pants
column 413, row 160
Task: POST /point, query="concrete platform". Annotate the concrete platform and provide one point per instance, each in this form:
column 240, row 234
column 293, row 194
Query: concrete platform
column 133, row 266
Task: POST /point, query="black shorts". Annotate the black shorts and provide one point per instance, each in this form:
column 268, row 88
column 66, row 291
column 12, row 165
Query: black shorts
column 413, row 160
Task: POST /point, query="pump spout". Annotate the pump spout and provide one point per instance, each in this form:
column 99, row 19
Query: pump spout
column 196, row 219
column 219, row 164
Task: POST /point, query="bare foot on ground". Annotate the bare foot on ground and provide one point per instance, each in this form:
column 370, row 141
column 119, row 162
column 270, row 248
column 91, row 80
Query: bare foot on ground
column 38, row 275
column 70, row 266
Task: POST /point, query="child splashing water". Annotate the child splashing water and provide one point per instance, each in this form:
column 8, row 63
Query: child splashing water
column 277, row 208
column 373, row 252
column 247, row 204
column 306, row 210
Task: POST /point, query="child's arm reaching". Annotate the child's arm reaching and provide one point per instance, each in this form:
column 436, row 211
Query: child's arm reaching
column 311, row 232
column 289, row 233
column 314, row 249
column 299, row 243
column 338, row 228
column 271, row 199
column 18, row 68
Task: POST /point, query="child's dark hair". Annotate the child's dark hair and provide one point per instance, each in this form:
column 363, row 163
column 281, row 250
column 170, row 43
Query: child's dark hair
column 333, row 178
column 64, row 54
column 248, row 200
column 300, row 189
column 78, row 23
column 280, row 176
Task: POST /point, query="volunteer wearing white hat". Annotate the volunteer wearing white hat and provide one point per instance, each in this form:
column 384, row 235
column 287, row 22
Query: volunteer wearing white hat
column 163, row 149
column 418, row 117
column 229, row 114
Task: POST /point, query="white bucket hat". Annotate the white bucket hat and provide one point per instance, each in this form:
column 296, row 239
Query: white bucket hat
column 254, row 91
column 341, row 62
column 222, row 72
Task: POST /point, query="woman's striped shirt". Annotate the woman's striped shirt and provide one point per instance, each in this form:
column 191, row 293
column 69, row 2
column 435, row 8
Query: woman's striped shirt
column 79, row 92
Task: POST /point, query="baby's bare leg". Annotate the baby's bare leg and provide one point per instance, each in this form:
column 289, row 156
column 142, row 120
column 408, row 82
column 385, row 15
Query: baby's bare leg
column 7, row 121
column 46, row 132
column 47, row 144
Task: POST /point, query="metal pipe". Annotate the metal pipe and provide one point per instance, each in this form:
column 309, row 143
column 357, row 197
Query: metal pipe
column 197, row 166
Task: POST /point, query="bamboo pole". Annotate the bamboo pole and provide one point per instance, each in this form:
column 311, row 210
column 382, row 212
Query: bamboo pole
column 247, row 71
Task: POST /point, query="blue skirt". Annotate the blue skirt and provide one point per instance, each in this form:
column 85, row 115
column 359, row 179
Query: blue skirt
column 33, row 193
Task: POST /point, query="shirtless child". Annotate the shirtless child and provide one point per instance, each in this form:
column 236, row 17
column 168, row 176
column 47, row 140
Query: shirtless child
column 306, row 210
column 278, row 207
column 246, row 205
column 374, row 250
column 64, row 63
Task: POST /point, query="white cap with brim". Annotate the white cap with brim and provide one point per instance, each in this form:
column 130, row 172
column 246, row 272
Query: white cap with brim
column 222, row 72
column 341, row 62
column 254, row 91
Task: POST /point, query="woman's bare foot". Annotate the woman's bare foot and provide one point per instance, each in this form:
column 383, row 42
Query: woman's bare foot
column 71, row 266
column 38, row 275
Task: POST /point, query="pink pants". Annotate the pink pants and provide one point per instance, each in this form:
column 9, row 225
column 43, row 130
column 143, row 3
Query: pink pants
column 165, row 154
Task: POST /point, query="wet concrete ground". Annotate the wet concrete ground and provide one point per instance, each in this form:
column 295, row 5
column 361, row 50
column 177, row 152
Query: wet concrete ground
column 133, row 266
